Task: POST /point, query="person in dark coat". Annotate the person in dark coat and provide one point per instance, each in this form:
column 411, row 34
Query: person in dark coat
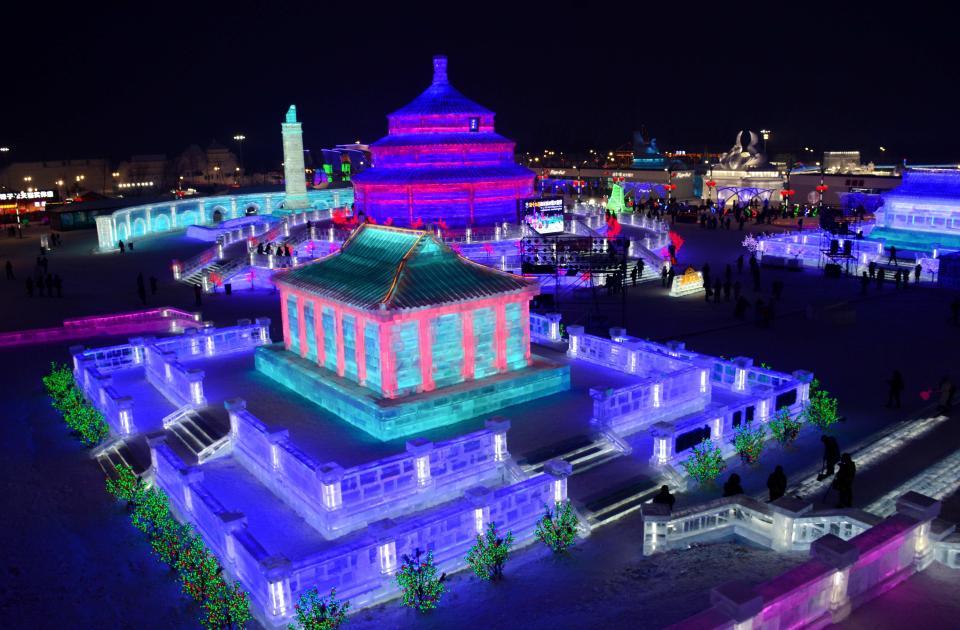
column 9, row 267
column 844, row 480
column 831, row 454
column 777, row 483
column 896, row 387
column 732, row 487
column 663, row 275
column 664, row 497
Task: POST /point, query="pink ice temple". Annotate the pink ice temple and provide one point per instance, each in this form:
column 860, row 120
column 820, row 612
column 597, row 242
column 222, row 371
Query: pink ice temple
column 442, row 163
column 396, row 333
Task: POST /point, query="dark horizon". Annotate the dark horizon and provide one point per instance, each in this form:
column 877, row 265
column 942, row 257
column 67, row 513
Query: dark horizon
column 120, row 82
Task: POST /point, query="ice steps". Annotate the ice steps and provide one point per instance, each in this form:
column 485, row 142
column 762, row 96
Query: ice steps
column 113, row 454
column 619, row 504
column 195, row 433
column 582, row 458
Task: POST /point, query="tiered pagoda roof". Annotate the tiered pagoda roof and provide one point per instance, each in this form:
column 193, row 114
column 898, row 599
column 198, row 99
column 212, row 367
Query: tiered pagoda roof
column 392, row 268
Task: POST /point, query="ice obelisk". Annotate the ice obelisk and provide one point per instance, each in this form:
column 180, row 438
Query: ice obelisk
column 293, row 170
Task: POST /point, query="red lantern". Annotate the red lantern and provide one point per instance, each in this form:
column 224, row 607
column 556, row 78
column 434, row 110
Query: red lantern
column 787, row 193
column 822, row 188
column 711, row 183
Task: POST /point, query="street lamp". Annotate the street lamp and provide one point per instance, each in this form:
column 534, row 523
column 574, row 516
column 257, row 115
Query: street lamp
column 239, row 138
column 766, row 136
column 4, row 149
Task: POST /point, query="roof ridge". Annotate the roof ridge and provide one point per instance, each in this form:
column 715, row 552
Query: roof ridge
column 400, row 268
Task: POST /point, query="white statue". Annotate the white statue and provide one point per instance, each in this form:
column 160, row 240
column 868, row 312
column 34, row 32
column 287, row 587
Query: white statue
column 739, row 158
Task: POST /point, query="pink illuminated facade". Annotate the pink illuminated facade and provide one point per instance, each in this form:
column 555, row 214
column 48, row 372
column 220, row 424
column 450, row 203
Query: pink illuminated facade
column 442, row 163
column 399, row 313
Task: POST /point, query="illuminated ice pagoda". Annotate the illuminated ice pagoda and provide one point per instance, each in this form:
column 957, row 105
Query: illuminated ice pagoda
column 397, row 333
column 442, row 161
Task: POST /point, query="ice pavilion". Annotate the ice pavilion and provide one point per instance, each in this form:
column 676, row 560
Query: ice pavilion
column 923, row 213
column 396, row 333
column 442, row 161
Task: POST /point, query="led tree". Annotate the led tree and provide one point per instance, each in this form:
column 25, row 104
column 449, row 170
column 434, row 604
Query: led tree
column 557, row 528
column 227, row 607
column 125, row 485
column 748, row 442
column 489, row 553
column 314, row 612
column 784, row 427
column 58, row 382
column 705, row 462
column 418, row 580
column 821, row 409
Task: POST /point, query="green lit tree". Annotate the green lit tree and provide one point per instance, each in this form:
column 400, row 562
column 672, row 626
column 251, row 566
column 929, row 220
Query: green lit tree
column 489, row 553
column 748, row 441
column 151, row 512
column 58, row 382
column 557, row 528
column 784, row 427
column 821, row 409
column 705, row 462
column 125, row 485
column 315, row 612
column 227, row 608
column 419, row 582
column 200, row 571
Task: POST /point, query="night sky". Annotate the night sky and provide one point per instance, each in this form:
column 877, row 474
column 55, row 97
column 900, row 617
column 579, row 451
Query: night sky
column 157, row 77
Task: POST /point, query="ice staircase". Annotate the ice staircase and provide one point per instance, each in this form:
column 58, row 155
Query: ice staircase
column 112, row 454
column 196, row 277
column 582, row 453
column 938, row 481
column 195, row 432
column 620, row 502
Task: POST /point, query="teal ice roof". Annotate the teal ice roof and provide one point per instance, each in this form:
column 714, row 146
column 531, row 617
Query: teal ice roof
column 399, row 269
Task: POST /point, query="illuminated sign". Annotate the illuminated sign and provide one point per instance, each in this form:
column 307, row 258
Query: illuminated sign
column 26, row 194
column 544, row 215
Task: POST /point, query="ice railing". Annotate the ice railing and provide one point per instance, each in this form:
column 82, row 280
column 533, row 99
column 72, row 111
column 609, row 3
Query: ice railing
column 639, row 405
column 545, row 328
column 212, row 341
column 98, row 389
column 842, row 574
column 179, row 384
column 362, row 566
column 334, row 499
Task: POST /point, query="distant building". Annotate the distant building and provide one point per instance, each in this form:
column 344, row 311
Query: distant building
column 67, row 177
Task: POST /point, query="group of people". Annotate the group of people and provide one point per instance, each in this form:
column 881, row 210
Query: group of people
column 124, row 247
column 840, row 467
column 776, row 484
column 268, row 249
column 901, row 277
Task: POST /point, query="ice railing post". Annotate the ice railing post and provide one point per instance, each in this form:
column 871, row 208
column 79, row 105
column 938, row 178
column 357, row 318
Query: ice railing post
column 499, row 427
column 420, row 449
column 925, row 510
column 840, row 555
column 785, row 513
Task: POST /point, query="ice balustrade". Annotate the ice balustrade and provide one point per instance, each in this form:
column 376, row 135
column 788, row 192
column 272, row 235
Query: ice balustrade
column 362, row 567
column 633, row 407
column 97, row 388
column 841, row 575
column 212, row 341
column 180, row 385
column 100, row 325
column 336, row 500
column 545, row 328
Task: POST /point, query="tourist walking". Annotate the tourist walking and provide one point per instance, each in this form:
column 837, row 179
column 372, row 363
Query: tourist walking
column 197, row 294
column 893, row 255
column 864, row 283
column 777, row 483
column 671, row 274
column 663, row 275
column 896, row 388
column 123, row 247
column 732, row 487
column 872, row 268
column 946, row 390
column 831, row 455
column 916, row 273
column 664, row 497
column 844, row 481
column 141, row 289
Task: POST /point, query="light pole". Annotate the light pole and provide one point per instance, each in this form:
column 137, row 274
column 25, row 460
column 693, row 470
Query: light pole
column 240, row 138
column 766, row 136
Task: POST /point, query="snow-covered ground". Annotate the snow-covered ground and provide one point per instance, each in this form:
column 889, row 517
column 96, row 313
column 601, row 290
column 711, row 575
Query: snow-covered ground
column 69, row 551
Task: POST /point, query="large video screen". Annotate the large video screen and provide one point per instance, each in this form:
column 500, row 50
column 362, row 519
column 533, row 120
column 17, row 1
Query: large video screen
column 544, row 215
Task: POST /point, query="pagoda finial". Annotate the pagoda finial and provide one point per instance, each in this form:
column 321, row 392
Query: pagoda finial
column 439, row 69
column 292, row 114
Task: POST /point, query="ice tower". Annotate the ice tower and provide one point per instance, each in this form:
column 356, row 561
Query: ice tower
column 293, row 169
column 442, row 161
